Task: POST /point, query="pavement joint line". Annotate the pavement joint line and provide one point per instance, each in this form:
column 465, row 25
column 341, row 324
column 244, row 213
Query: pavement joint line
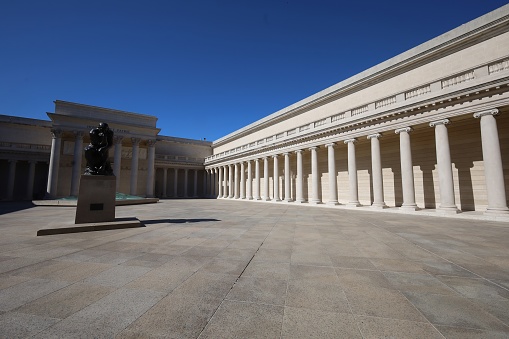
column 243, row 270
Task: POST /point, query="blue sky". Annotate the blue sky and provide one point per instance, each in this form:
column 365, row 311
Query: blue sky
column 204, row 68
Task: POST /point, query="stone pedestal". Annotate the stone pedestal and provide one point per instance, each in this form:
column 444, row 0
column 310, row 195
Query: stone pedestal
column 96, row 199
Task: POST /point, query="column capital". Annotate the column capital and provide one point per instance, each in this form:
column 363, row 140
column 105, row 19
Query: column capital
column 299, row 151
column 274, row 155
column 117, row 139
column 404, row 129
column 135, row 141
column 493, row 111
column 374, row 135
column 151, row 142
column 265, row 158
column 353, row 140
column 331, row 144
column 56, row 133
column 286, row 153
column 78, row 134
column 313, row 148
column 439, row 122
column 12, row 161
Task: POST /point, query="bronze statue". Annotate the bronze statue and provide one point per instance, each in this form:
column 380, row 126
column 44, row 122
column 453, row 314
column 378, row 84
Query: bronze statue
column 96, row 153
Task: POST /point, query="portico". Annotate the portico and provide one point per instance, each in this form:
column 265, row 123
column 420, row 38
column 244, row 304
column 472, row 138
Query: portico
column 406, row 134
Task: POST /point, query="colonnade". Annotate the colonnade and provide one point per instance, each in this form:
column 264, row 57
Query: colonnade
column 11, row 178
column 186, row 181
column 56, row 149
column 223, row 181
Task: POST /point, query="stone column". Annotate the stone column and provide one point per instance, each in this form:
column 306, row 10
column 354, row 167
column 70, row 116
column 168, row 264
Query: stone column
column 299, row 180
column 407, row 170
column 257, row 179
column 31, row 177
column 236, row 181
column 134, row 166
column 333, row 183
column 444, row 164
column 214, row 183
column 225, row 182
column 11, row 178
column 288, row 182
column 54, row 163
column 249, row 184
column 230, row 181
column 165, row 180
column 265, row 195
column 493, row 170
column 220, row 184
column 206, row 182
column 242, row 181
column 175, row 182
column 76, row 164
column 117, row 159
column 195, row 186
column 314, row 177
column 186, row 179
column 352, row 173
column 376, row 172
column 276, row 179
column 151, row 168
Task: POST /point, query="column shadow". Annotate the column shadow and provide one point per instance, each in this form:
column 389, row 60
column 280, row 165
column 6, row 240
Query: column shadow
column 175, row 221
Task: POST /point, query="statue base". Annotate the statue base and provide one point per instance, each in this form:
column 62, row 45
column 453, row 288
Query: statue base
column 96, row 199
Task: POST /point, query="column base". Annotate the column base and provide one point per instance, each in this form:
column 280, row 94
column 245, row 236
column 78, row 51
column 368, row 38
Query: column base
column 409, row 208
column 497, row 211
column 288, row 200
column 315, row 202
column 300, row 201
column 249, row 198
column 333, row 203
column 448, row 210
column 379, row 206
column 354, row 204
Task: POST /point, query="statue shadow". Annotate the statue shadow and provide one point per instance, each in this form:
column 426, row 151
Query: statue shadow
column 14, row 206
column 175, row 221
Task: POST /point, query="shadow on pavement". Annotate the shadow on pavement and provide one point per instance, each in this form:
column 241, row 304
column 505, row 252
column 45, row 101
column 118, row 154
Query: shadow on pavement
column 176, row 221
column 13, row 206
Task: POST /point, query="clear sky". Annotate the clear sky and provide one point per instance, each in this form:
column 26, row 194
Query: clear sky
column 204, row 68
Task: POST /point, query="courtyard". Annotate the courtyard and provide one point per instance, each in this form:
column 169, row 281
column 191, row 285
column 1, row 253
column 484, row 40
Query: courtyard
column 233, row 269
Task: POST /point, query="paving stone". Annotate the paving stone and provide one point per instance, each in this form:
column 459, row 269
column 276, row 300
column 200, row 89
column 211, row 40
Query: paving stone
column 305, row 323
column 105, row 317
column 374, row 327
column 318, row 296
column 20, row 325
column 244, row 320
column 476, row 288
column 117, row 276
column 381, row 302
column 66, row 301
column 22, row 293
column 259, row 290
column 415, row 282
column 454, row 311
column 355, row 278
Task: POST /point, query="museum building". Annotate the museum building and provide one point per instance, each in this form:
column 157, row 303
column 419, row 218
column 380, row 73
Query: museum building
column 426, row 129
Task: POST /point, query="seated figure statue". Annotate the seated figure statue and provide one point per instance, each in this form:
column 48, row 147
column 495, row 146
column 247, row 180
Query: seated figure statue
column 96, row 153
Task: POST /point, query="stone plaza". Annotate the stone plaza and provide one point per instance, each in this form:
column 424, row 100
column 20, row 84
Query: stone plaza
column 236, row 269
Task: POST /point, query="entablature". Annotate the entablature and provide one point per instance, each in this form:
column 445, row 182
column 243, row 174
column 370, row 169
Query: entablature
column 472, row 84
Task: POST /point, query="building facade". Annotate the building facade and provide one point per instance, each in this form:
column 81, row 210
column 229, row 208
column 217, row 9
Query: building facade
column 45, row 158
column 428, row 128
